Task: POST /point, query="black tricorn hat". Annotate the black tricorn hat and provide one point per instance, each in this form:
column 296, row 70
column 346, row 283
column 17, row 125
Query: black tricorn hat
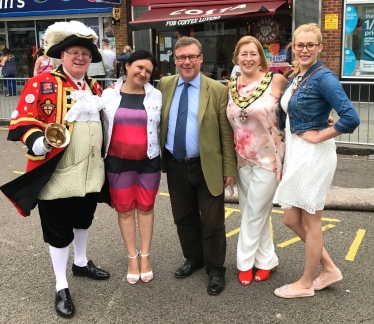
column 62, row 35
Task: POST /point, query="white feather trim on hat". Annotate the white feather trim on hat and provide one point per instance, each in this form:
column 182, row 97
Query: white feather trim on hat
column 59, row 31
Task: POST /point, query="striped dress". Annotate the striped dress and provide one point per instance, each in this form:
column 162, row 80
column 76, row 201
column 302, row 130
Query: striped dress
column 133, row 178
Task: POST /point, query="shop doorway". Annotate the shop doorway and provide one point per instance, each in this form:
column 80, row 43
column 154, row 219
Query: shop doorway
column 164, row 53
column 21, row 43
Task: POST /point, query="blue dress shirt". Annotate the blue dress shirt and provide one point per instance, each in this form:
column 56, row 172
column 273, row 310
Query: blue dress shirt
column 192, row 128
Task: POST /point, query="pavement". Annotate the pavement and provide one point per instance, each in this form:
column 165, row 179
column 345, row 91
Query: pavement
column 353, row 184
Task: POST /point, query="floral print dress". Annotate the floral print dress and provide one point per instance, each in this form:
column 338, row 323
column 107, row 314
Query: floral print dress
column 258, row 139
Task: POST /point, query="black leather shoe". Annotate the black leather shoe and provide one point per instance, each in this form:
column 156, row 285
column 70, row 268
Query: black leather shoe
column 63, row 303
column 216, row 285
column 186, row 270
column 91, row 271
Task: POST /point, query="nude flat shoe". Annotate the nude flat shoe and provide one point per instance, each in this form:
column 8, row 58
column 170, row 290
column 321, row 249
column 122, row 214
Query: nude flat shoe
column 287, row 292
column 332, row 278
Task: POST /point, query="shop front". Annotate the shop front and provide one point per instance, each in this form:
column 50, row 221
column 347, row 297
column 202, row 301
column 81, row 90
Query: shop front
column 218, row 25
column 357, row 64
column 23, row 23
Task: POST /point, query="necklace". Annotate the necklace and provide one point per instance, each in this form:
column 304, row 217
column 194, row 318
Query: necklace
column 131, row 91
column 244, row 102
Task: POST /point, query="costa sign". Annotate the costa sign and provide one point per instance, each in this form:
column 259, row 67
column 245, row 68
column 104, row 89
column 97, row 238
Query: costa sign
column 266, row 30
column 195, row 12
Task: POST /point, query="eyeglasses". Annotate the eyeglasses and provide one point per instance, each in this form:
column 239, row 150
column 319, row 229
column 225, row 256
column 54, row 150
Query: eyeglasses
column 309, row 47
column 182, row 58
column 77, row 54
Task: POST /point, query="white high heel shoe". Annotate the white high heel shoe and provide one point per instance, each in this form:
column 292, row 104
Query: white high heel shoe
column 132, row 279
column 146, row 276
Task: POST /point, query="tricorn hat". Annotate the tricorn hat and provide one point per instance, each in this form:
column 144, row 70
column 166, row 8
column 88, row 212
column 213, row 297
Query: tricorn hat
column 62, row 35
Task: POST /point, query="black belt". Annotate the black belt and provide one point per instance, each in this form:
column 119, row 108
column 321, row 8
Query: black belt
column 185, row 160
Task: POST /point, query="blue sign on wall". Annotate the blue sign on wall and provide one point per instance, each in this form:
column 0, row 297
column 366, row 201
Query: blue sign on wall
column 20, row 8
column 351, row 19
column 349, row 62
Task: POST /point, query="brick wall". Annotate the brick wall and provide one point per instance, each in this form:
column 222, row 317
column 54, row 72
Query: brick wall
column 121, row 31
column 331, row 54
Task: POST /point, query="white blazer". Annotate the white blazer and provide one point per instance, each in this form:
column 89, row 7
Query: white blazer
column 152, row 103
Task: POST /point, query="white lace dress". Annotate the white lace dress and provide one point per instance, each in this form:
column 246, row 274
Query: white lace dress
column 308, row 170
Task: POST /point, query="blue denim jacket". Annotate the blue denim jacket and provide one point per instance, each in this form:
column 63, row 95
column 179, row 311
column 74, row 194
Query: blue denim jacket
column 312, row 103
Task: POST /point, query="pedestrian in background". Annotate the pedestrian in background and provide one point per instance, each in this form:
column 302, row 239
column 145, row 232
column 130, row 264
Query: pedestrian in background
column 122, row 58
column 310, row 159
column 100, row 69
column 111, row 59
column 9, row 70
column 198, row 157
column 253, row 111
column 43, row 63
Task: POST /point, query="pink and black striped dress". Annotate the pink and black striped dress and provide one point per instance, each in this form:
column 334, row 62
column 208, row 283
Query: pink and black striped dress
column 134, row 179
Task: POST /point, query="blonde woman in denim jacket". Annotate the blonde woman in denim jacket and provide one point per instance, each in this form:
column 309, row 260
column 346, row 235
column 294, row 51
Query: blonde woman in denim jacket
column 310, row 158
column 132, row 160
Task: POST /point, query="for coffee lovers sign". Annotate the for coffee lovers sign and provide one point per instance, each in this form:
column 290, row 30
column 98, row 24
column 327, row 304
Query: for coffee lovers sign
column 266, row 30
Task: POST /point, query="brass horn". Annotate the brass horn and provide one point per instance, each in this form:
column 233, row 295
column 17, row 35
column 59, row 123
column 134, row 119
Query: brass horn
column 56, row 135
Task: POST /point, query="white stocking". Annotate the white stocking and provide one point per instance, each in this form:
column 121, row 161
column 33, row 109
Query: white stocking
column 59, row 258
column 80, row 247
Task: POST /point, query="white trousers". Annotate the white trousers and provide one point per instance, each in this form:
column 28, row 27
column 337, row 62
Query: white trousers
column 256, row 188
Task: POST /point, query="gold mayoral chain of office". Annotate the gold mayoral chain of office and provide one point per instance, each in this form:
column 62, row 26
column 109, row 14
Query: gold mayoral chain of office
column 244, row 102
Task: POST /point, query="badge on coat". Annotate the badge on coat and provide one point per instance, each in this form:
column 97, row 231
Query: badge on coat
column 14, row 114
column 30, row 98
column 48, row 107
column 47, row 87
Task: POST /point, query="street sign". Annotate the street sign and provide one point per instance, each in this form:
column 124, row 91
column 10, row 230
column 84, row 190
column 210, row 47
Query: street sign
column 116, row 16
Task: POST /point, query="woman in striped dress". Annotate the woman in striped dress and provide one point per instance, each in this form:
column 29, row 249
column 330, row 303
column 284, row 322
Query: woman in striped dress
column 132, row 161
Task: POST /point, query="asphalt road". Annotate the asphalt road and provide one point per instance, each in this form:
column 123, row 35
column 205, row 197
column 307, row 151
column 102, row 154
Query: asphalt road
column 27, row 280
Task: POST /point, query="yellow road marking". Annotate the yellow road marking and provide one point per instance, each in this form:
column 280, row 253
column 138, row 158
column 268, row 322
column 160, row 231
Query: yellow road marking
column 355, row 245
column 163, row 194
column 18, row 172
column 229, row 211
column 235, row 231
column 331, row 220
column 296, row 239
column 277, row 211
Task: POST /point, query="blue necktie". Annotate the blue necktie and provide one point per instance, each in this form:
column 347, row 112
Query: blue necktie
column 179, row 148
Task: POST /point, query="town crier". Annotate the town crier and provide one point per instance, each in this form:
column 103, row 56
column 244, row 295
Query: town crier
column 65, row 170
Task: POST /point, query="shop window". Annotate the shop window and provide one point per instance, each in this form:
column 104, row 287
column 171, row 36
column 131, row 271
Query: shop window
column 41, row 27
column 21, row 38
column 358, row 40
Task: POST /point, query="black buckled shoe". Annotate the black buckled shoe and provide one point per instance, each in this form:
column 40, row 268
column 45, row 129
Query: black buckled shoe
column 186, row 270
column 63, row 303
column 91, row 271
column 216, row 285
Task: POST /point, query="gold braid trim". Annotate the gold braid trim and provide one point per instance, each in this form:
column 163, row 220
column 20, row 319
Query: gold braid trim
column 244, row 102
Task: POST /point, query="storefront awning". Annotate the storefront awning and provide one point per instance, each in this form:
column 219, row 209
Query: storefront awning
column 195, row 14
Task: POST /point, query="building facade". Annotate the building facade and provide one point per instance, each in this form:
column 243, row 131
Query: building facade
column 23, row 23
